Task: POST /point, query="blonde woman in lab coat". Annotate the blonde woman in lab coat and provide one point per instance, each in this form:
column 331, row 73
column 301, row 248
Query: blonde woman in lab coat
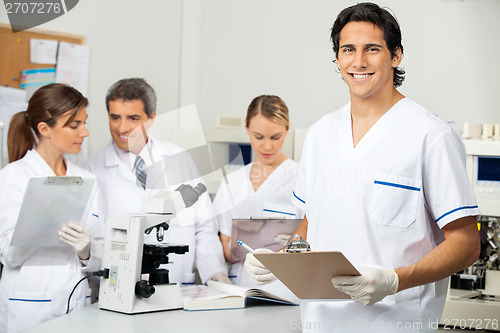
column 35, row 284
column 263, row 187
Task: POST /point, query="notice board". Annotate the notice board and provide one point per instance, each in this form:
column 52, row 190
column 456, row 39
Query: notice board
column 15, row 51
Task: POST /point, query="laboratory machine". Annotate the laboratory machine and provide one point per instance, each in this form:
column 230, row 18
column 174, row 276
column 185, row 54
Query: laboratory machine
column 135, row 281
column 473, row 299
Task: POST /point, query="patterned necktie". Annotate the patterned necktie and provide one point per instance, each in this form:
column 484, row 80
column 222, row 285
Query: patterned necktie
column 140, row 174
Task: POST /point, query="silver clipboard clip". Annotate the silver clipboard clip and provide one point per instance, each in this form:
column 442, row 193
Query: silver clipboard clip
column 63, row 180
column 298, row 244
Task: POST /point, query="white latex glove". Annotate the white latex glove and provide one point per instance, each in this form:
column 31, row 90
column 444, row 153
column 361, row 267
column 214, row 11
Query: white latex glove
column 257, row 272
column 221, row 277
column 369, row 288
column 78, row 238
column 282, row 238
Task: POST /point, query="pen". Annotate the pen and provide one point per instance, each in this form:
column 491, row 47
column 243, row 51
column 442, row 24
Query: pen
column 246, row 247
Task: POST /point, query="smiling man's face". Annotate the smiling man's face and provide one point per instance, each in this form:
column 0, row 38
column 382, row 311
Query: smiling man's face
column 365, row 62
column 127, row 124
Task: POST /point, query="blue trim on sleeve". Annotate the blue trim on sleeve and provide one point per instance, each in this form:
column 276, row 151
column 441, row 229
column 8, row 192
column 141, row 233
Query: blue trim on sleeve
column 277, row 211
column 406, row 187
column 454, row 210
column 295, row 195
column 30, row 300
column 95, row 215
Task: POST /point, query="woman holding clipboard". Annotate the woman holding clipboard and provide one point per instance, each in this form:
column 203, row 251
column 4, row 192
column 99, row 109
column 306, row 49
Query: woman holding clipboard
column 264, row 187
column 35, row 285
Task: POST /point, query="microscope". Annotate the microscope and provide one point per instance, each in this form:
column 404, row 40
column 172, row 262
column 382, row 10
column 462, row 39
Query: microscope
column 136, row 283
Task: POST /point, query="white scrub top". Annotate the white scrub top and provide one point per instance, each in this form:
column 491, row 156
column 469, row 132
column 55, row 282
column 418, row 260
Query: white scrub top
column 383, row 204
column 35, row 287
column 238, row 199
column 194, row 226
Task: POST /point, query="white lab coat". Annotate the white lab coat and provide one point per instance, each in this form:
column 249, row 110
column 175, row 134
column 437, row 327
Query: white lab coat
column 238, row 199
column 383, row 204
column 35, row 286
column 194, row 226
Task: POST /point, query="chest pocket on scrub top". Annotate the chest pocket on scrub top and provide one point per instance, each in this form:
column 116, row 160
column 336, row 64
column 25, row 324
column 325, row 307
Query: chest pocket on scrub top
column 394, row 200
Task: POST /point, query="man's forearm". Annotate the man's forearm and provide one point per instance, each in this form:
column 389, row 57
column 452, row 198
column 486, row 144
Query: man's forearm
column 459, row 250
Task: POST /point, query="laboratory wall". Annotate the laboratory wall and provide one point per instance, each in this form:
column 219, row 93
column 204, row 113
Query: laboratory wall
column 219, row 54
column 282, row 47
column 127, row 38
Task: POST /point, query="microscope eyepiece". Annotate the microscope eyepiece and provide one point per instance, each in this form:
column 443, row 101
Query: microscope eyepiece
column 189, row 194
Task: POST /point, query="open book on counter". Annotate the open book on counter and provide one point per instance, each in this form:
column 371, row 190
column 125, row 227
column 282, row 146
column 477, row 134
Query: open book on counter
column 218, row 296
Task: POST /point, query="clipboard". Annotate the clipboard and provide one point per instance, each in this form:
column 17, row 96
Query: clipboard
column 48, row 204
column 259, row 233
column 309, row 274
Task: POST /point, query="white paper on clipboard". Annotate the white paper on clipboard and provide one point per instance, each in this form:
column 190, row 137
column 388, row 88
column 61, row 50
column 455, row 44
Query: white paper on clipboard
column 48, row 204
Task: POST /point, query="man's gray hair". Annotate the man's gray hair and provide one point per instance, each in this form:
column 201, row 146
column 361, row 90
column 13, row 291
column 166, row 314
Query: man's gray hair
column 133, row 89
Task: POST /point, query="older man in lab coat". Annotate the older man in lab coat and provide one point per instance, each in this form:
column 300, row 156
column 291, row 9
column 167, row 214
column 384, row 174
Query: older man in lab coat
column 134, row 166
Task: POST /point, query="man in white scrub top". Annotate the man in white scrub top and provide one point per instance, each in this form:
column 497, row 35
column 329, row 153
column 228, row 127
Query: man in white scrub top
column 383, row 180
column 131, row 105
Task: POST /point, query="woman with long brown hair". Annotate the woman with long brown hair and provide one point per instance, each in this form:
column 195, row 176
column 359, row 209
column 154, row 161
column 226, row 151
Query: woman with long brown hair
column 35, row 284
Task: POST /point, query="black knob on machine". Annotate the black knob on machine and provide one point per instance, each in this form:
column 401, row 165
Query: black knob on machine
column 143, row 289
